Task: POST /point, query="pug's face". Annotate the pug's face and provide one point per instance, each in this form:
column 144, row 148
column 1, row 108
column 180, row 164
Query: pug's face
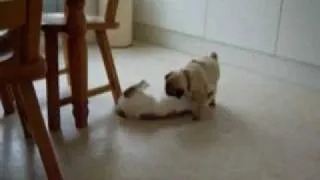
column 174, row 84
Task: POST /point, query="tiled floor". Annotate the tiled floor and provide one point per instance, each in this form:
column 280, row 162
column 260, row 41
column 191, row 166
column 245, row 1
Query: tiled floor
column 262, row 129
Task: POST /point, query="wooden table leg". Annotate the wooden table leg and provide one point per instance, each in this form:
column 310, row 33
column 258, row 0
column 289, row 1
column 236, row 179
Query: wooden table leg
column 77, row 52
column 51, row 48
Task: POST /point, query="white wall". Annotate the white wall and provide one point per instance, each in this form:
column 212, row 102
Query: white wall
column 286, row 28
column 299, row 36
column 247, row 23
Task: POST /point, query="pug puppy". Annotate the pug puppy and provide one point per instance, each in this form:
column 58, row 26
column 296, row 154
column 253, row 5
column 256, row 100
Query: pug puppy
column 197, row 81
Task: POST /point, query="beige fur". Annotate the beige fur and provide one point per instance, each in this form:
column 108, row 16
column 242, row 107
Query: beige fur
column 197, row 81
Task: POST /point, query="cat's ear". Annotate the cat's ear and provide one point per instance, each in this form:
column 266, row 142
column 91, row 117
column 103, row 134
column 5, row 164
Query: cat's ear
column 168, row 75
column 129, row 92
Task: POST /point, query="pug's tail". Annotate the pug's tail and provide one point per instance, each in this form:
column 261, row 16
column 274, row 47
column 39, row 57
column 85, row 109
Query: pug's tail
column 214, row 55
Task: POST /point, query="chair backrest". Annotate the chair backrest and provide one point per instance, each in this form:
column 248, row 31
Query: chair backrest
column 111, row 11
column 31, row 31
column 12, row 13
column 23, row 16
column 23, row 20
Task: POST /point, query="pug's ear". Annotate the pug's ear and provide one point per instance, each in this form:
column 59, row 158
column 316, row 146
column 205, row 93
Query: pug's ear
column 168, row 75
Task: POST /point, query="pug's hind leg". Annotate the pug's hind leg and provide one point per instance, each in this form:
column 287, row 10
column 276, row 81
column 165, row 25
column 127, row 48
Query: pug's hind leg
column 196, row 111
column 211, row 102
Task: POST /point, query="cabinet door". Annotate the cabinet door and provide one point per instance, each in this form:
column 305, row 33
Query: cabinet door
column 185, row 16
column 142, row 11
column 247, row 23
column 299, row 36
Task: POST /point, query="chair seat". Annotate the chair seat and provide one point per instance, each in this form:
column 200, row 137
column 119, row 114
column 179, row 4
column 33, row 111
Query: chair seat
column 58, row 21
column 11, row 72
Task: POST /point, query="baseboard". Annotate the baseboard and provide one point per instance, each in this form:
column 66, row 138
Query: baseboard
column 269, row 65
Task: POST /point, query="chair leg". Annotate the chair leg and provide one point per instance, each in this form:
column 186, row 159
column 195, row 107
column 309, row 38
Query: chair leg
column 6, row 100
column 35, row 124
column 51, row 51
column 105, row 49
column 21, row 111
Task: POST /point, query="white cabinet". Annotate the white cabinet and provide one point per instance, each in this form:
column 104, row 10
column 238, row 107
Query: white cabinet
column 299, row 36
column 122, row 36
column 186, row 16
column 143, row 11
column 251, row 24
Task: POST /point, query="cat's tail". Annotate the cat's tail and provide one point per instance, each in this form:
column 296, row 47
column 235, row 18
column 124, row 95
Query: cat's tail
column 130, row 91
column 142, row 85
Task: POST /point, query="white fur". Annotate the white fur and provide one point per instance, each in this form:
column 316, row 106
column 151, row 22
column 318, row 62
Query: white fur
column 142, row 102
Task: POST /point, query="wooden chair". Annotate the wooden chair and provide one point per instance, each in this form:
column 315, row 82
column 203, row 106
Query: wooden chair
column 55, row 23
column 5, row 93
column 19, row 67
column 6, row 99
